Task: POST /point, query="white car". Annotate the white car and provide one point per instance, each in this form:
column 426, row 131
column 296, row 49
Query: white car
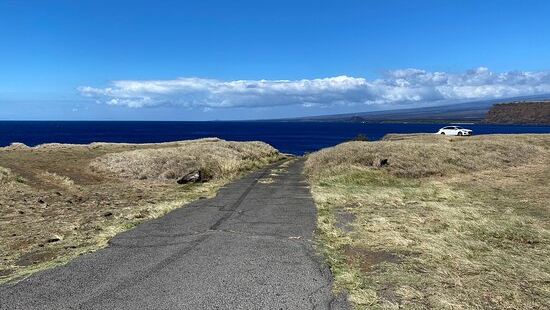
column 454, row 131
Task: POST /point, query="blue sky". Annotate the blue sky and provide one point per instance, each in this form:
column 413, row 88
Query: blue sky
column 205, row 60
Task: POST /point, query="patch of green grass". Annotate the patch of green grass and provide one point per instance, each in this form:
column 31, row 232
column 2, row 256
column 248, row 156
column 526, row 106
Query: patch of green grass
column 371, row 178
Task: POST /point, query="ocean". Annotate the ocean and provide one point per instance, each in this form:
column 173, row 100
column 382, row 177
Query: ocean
column 289, row 137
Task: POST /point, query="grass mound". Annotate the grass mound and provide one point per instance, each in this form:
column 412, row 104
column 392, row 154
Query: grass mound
column 448, row 223
column 422, row 156
column 217, row 158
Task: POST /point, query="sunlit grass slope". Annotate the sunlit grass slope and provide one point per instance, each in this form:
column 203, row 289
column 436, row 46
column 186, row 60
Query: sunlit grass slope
column 429, row 222
column 59, row 201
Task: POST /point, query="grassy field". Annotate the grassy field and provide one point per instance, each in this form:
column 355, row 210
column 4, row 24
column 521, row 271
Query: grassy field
column 60, row 201
column 430, row 222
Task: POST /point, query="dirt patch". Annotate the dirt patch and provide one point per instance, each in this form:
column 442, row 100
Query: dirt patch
column 5, row 272
column 344, row 220
column 35, row 258
column 390, row 294
column 367, row 260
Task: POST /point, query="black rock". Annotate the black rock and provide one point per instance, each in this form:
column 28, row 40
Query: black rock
column 192, row 177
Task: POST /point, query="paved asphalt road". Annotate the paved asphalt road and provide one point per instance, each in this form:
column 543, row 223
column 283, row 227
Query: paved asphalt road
column 248, row 248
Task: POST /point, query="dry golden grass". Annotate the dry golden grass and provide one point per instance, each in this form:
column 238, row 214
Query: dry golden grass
column 56, row 179
column 58, row 201
column 421, row 156
column 6, row 177
column 450, row 223
column 217, row 158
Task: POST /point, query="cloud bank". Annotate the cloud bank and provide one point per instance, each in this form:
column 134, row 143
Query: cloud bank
column 407, row 86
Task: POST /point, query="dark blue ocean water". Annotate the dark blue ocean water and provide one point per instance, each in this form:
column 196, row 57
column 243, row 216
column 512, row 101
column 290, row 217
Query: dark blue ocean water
column 289, row 137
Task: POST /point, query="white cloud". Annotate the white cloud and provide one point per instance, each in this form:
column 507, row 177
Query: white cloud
column 407, row 86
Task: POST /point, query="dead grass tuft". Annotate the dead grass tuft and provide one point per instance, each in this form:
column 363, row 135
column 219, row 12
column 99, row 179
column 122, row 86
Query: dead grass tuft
column 57, row 179
column 7, row 178
column 5, row 175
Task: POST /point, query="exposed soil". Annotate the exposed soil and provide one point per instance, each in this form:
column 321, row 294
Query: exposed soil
column 367, row 260
column 35, row 258
column 344, row 220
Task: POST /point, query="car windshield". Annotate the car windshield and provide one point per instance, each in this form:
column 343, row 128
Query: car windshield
column 458, row 127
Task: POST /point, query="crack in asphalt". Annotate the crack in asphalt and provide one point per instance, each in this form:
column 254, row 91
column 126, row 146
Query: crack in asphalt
column 239, row 201
column 142, row 275
column 133, row 280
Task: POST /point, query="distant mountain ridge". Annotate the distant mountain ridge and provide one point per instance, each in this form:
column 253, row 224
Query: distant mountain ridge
column 474, row 111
